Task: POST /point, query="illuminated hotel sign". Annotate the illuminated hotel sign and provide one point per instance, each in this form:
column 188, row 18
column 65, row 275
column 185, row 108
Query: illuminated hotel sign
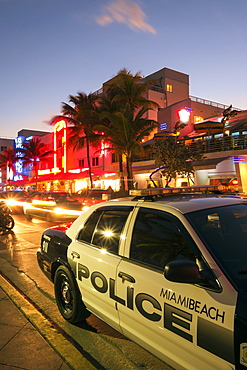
column 163, row 126
column 19, row 169
column 60, row 125
column 60, row 131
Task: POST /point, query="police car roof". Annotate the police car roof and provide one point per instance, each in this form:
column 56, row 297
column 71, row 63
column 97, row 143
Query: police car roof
column 187, row 199
column 184, row 203
column 191, row 203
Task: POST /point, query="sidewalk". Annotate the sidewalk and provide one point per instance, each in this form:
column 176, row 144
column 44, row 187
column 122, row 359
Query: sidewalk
column 21, row 344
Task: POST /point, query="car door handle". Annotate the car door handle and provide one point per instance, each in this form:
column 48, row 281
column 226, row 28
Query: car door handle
column 75, row 255
column 127, row 277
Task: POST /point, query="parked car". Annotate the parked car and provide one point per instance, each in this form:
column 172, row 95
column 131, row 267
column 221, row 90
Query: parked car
column 52, row 206
column 167, row 271
column 89, row 197
column 15, row 199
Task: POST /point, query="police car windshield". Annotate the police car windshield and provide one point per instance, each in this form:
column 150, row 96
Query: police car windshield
column 224, row 231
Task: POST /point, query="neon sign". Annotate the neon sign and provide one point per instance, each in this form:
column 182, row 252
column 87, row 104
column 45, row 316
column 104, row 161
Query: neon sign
column 163, row 126
column 58, row 127
column 20, row 170
column 184, row 115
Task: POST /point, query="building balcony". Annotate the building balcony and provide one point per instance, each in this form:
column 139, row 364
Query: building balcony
column 232, row 143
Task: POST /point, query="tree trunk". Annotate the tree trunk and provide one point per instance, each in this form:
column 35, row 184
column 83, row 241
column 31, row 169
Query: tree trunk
column 156, row 170
column 36, row 175
column 122, row 184
column 89, row 164
column 129, row 173
column 168, row 180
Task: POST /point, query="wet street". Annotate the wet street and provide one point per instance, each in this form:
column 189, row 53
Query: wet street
column 99, row 343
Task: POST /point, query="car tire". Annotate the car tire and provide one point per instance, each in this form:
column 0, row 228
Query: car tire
column 68, row 297
column 48, row 217
column 9, row 222
column 28, row 217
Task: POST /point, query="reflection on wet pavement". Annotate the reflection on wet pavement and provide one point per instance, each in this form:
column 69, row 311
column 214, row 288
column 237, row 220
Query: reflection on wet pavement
column 8, row 242
column 18, row 249
column 19, row 246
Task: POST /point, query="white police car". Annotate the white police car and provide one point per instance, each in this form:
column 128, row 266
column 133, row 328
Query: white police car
column 167, row 271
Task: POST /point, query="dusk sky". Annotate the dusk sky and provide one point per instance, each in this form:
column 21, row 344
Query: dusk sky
column 51, row 49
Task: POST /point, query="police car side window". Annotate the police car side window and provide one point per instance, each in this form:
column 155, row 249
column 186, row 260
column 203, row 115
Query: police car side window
column 109, row 229
column 104, row 227
column 157, row 239
column 85, row 234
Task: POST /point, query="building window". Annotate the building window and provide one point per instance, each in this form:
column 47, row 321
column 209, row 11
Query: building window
column 95, row 161
column 44, row 166
column 169, row 88
column 198, row 119
column 114, row 158
column 81, row 163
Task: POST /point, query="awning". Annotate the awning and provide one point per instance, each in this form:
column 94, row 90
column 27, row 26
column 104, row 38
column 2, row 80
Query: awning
column 71, row 175
column 193, row 135
column 144, row 169
column 15, row 183
column 164, row 134
column 208, row 126
column 208, row 164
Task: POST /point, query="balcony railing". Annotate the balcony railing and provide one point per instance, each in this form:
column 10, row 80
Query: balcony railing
column 148, row 157
column 209, row 102
column 206, row 145
column 226, row 143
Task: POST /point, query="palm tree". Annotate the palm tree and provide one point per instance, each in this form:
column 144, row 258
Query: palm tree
column 131, row 90
column 108, row 106
column 124, row 109
column 7, row 160
column 125, row 132
column 227, row 114
column 83, row 117
column 33, row 153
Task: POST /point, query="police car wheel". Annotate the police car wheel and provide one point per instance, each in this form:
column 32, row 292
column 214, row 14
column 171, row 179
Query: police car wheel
column 68, row 297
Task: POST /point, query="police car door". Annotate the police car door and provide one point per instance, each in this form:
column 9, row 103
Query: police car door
column 94, row 257
column 183, row 324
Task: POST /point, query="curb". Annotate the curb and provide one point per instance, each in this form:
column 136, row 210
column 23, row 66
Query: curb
column 56, row 340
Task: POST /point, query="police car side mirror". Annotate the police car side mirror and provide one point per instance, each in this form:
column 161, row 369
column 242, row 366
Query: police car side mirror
column 182, row 271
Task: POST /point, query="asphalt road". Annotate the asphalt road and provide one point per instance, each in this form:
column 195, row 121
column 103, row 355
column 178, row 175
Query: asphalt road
column 104, row 347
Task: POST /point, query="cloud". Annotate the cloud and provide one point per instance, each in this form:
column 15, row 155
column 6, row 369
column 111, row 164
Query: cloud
column 125, row 11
